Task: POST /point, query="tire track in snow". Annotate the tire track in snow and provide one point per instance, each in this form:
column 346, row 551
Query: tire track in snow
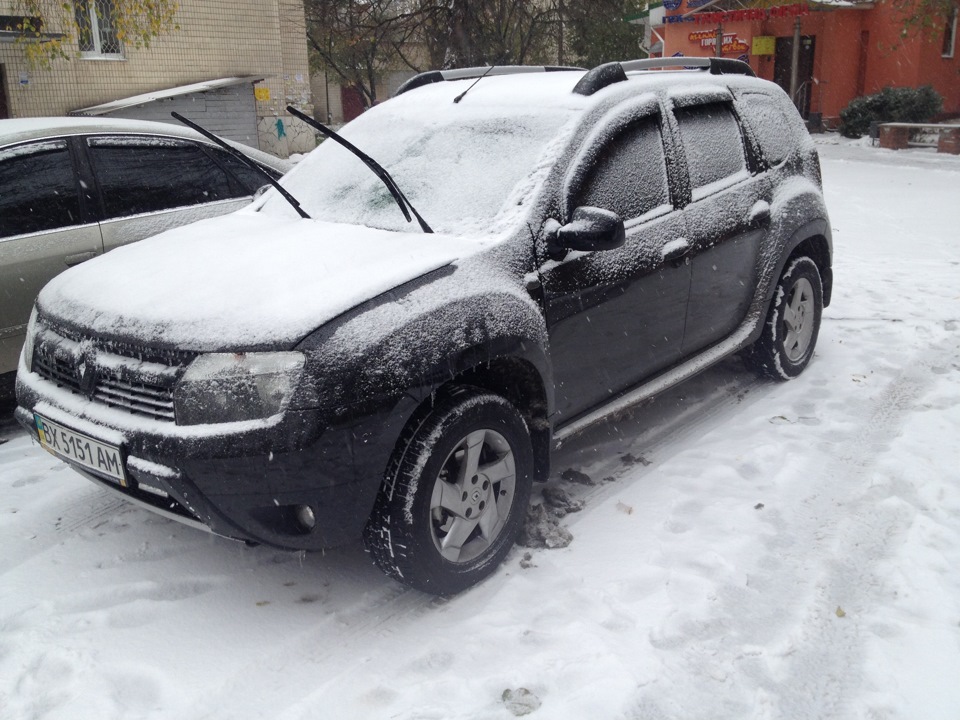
column 280, row 683
column 824, row 670
column 790, row 643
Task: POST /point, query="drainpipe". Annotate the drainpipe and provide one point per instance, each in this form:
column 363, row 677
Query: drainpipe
column 795, row 62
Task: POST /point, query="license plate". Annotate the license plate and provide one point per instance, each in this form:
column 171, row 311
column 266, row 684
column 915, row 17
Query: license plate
column 82, row 449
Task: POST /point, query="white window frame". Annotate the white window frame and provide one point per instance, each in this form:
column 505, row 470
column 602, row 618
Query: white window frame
column 950, row 31
column 96, row 35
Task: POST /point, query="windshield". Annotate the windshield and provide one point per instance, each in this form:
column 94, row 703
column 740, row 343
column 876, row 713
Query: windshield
column 465, row 172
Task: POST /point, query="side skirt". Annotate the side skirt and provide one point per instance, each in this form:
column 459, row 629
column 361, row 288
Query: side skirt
column 712, row 355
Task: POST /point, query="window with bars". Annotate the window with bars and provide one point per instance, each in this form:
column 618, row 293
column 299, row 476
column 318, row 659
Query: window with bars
column 97, row 32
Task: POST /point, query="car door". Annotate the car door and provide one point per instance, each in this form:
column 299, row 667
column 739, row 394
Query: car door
column 45, row 228
column 150, row 184
column 616, row 317
column 726, row 217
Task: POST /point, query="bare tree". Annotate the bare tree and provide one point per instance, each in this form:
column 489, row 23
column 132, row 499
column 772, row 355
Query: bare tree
column 597, row 32
column 358, row 40
column 465, row 33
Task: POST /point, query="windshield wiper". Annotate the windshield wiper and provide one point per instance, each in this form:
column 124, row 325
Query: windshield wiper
column 245, row 160
column 377, row 169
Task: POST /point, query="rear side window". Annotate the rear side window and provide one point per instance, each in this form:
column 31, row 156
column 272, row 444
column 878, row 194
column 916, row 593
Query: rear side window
column 630, row 175
column 770, row 125
column 712, row 143
column 37, row 189
column 141, row 175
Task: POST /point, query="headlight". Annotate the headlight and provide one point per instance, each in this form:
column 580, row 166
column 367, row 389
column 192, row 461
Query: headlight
column 229, row 387
column 26, row 355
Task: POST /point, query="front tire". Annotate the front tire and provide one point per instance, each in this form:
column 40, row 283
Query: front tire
column 790, row 332
column 455, row 493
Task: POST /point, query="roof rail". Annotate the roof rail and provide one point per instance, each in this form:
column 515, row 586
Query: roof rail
column 614, row 72
column 435, row 76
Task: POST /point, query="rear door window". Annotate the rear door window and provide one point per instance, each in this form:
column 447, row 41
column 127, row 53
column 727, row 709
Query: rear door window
column 713, row 145
column 38, row 189
column 141, row 175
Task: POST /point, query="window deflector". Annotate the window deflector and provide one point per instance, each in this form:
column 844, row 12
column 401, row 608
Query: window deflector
column 619, row 120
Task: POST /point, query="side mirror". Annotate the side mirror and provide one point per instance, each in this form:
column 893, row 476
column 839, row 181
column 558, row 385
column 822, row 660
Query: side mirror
column 591, row 229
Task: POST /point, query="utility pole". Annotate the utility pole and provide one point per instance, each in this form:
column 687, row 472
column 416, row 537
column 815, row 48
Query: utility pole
column 718, row 51
column 560, row 14
column 795, row 62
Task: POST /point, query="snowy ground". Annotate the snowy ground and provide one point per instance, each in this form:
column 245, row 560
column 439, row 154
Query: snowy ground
column 762, row 550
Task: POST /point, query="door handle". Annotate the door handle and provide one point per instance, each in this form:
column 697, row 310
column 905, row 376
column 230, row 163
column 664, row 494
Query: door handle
column 675, row 250
column 759, row 214
column 71, row 260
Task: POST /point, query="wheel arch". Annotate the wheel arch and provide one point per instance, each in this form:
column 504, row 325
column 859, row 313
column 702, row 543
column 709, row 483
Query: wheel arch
column 811, row 239
column 521, row 383
column 817, row 248
column 519, row 377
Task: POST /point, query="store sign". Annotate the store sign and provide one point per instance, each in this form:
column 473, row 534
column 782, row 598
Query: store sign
column 715, row 18
column 708, row 39
column 764, row 45
column 671, row 4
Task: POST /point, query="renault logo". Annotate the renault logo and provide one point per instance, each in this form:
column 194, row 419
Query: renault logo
column 87, row 375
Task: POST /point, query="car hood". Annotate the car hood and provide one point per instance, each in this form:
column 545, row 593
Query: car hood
column 242, row 281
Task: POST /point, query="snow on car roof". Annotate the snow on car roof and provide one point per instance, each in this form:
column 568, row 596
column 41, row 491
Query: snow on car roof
column 524, row 91
column 471, row 167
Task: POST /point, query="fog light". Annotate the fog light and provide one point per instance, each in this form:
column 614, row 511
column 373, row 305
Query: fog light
column 305, row 517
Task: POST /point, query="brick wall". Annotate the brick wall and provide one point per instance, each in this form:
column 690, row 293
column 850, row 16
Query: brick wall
column 217, row 39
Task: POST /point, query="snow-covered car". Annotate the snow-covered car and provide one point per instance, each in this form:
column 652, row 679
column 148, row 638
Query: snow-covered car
column 74, row 188
column 583, row 240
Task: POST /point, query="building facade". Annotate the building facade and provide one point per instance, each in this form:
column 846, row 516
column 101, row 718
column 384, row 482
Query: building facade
column 232, row 66
column 845, row 49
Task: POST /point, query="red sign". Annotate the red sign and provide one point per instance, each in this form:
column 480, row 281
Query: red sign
column 715, row 18
column 708, row 39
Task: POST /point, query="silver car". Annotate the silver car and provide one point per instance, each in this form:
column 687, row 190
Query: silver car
column 74, row 188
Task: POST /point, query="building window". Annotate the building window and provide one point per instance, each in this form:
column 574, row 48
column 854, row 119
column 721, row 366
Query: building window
column 97, row 32
column 950, row 34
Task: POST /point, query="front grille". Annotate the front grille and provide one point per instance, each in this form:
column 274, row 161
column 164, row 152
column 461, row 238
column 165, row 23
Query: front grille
column 132, row 379
column 57, row 370
column 163, row 356
column 139, row 398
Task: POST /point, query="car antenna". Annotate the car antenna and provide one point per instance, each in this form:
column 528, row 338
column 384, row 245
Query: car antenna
column 377, row 169
column 245, row 160
column 459, row 97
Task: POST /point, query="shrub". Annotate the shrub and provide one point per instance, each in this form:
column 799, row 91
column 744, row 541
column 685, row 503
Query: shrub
column 889, row 105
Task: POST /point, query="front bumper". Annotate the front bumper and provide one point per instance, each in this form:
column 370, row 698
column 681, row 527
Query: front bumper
column 246, row 480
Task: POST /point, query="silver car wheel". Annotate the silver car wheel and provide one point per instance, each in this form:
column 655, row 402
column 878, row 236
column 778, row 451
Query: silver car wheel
column 798, row 320
column 472, row 496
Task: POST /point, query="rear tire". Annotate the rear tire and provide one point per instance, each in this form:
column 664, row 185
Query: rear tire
column 455, row 493
column 786, row 345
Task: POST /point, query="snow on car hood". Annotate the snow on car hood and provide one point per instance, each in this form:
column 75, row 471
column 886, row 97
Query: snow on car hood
column 244, row 280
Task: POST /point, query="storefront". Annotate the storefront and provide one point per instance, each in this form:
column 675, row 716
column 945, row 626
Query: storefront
column 844, row 50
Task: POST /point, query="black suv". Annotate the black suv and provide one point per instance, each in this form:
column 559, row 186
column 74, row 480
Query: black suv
column 584, row 239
